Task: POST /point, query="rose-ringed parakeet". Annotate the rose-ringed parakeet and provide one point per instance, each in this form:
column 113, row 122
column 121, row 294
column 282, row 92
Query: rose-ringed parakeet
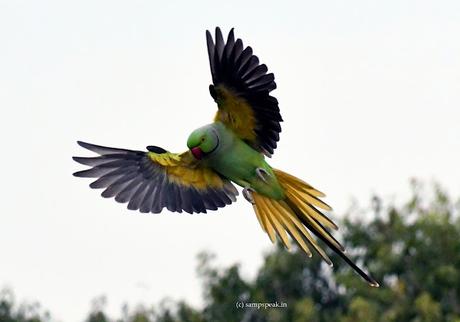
column 231, row 149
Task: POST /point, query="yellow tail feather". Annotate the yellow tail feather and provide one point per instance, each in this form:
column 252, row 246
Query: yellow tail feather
column 277, row 216
column 296, row 213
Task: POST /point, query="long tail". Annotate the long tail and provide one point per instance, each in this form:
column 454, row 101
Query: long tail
column 297, row 213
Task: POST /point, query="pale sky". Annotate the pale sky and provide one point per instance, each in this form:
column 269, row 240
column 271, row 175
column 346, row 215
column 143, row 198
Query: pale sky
column 369, row 91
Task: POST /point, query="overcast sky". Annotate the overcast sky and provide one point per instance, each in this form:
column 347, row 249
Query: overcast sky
column 369, row 91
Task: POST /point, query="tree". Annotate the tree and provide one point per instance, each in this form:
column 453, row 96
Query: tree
column 26, row 312
column 413, row 249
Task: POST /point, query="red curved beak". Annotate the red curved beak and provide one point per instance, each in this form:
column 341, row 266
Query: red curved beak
column 197, row 152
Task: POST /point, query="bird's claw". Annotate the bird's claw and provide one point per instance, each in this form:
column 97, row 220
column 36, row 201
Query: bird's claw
column 247, row 193
column 263, row 174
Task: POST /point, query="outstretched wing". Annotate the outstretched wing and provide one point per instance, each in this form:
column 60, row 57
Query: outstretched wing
column 152, row 180
column 241, row 88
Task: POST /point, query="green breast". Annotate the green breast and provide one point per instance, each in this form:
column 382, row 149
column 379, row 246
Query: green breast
column 237, row 161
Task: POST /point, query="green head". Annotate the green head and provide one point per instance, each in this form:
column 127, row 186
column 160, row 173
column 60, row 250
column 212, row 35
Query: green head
column 203, row 141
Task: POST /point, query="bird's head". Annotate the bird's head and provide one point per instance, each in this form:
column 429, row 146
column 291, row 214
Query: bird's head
column 203, row 141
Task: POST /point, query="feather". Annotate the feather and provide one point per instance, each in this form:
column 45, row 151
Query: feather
column 290, row 179
column 299, row 204
column 107, row 180
column 167, row 196
column 231, row 191
column 259, row 218
column 208, row 201
column 197, row 201
column 263, row 214
column 229, row 45
column 236, row 52
column 157, row 202
column 265, row 88
column 275, row 223
column 102, row 150
column 150, row 181
column 250, row 65
column 243, row 59
column 258, row 72
column 186, row 200
column 211, row 53
column 241, row 87
column 313, row 200
column 368, row 278
column 138, row 196
column 146, row 203
column 92, row 161
column 305, row 211
column 305, row 233
column 118, row 185
column 263, row 80
column 309, row 210
column 284, row 217
column 156, row 149
column 215, row 198
column 125, row 195
column 177, row 198
column 160, row 200
column 92, row 173
column 219, row 43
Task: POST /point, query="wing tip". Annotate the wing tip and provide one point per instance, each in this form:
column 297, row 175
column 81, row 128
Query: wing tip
column 80, row 174
column 87, row 146
column 80, row 160
column 218, row 30
column 83, row 144
column 231, row 34
column 209, row 40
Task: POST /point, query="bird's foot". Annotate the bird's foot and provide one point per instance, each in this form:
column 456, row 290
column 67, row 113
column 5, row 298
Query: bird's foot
column 247, row 193
column 263, row 174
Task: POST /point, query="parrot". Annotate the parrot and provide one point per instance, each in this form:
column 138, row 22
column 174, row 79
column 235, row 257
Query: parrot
column 233, row 149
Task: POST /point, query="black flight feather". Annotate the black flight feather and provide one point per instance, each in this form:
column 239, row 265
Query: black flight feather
column 134, row 177
column 237, row 69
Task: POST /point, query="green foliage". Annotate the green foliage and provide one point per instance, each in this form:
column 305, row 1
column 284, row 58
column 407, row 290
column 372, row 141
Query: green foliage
column 427, row 309
column 97, row 312
column 413, row 250
column 361, row 309
column 26, row 312
column 305, row 310
column 219, row 284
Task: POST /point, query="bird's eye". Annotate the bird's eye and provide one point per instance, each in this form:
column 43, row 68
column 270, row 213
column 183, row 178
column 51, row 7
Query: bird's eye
column 202, row 139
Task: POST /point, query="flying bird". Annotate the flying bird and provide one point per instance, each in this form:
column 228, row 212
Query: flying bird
column 232, row 149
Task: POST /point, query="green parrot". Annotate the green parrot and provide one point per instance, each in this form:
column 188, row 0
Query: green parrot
column 231, row 149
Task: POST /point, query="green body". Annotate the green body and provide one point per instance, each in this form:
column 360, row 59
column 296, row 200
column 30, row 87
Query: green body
column 235, row 160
